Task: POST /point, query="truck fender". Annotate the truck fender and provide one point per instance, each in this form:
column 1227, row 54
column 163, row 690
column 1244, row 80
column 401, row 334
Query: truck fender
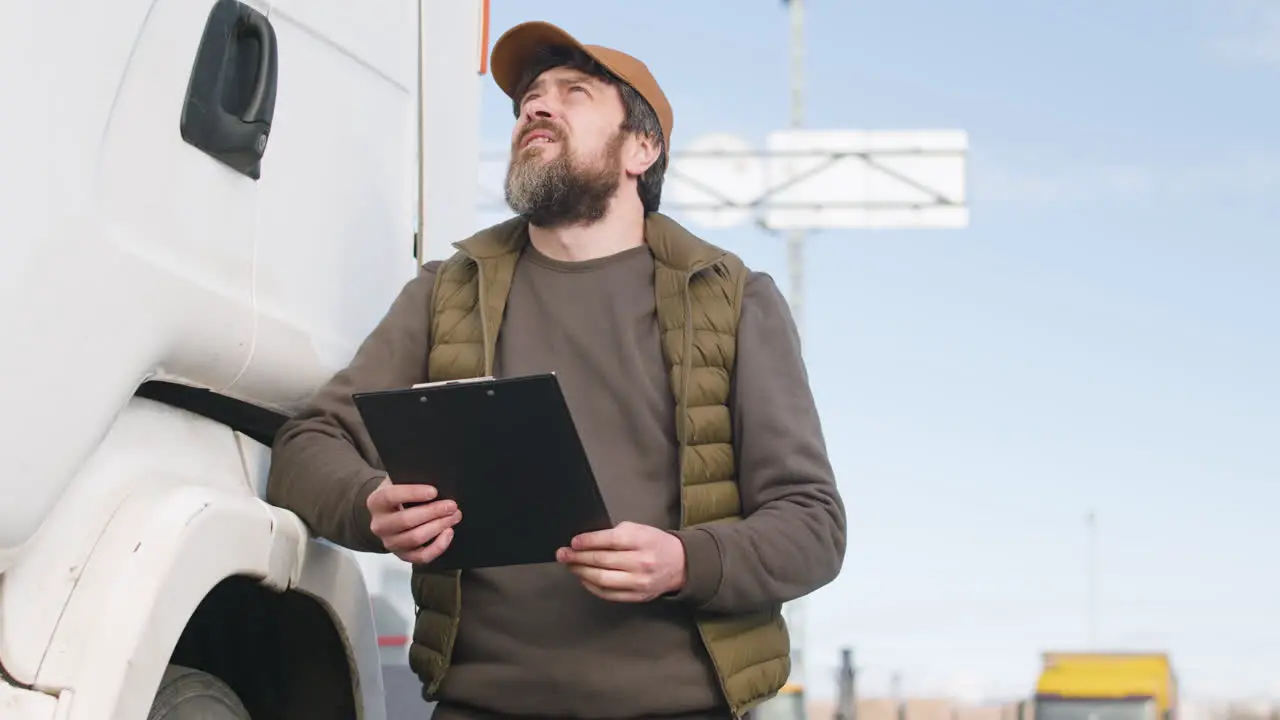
column 163, row 552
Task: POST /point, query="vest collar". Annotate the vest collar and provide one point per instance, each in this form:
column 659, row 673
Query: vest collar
column 496, row 240
column 671, row 243
column 676, row 247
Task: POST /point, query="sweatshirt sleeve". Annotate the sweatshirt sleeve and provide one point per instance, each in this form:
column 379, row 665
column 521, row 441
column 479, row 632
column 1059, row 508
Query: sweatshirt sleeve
column 792, row 539
column 323, row 463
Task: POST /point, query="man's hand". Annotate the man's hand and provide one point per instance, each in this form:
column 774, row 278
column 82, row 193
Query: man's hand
column 628, row 563
column 407, row 531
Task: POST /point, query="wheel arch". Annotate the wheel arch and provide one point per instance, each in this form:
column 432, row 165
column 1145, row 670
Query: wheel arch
column 279, row 651
column 206, row 578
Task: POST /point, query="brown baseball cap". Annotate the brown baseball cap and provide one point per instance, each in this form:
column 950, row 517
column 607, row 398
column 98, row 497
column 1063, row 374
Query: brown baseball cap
column 513, row 52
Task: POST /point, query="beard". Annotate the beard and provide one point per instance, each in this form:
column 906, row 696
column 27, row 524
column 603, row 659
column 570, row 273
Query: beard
column 562, row 192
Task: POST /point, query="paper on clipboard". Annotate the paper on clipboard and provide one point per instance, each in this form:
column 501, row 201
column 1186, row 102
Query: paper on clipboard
column 438, row 383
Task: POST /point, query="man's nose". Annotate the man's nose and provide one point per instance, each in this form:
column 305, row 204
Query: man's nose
column 538, row 109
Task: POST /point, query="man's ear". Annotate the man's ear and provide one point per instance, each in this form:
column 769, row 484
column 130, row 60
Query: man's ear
column 640, row 153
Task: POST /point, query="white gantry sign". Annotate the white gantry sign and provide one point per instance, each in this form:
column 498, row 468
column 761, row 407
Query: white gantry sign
column 823, row 179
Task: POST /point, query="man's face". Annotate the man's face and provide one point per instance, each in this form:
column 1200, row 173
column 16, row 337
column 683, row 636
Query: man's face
column 566, row 149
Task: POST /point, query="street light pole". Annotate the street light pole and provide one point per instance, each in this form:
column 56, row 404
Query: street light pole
column 1092, row 560
column 795, row 299
column 795, row 237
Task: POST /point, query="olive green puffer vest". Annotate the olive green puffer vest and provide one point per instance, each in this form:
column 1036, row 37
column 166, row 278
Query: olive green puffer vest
column 698, row 291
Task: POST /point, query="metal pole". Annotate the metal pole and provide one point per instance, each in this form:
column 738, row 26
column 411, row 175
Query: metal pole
column 795, row 238
column 846, row 702
column 795, row 262
column 419, row 233
column 1092, row 609
column 895, row 691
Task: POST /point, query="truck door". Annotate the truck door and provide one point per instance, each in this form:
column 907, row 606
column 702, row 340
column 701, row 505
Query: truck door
column 336, row 225
column 176, row 177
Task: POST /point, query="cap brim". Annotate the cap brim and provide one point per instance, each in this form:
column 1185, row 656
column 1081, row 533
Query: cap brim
column 516, row 49
column 513, row 51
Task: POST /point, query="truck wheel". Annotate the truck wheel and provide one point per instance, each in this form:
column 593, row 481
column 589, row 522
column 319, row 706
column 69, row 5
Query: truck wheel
column 188, row 694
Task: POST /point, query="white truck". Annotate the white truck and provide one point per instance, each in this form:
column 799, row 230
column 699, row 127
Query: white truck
column 205, row 205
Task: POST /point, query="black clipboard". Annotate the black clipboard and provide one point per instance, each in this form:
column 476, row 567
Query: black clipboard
column 506, row 450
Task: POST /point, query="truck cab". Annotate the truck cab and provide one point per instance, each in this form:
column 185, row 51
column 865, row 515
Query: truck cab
column 205, row 206
column 1106, row 686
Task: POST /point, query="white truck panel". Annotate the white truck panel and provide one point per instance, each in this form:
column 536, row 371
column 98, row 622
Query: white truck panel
column 382, row 35
column 163, row 511
column 151, row 446
column 19, row 704
column 452, row 48
column 129, row 254
column 168, row 202
column 335, row 239
column 139, row 256
column 159, row 557
column 163, row 551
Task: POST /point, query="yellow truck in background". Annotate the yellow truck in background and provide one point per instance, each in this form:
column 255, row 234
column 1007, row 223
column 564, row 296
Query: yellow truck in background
column 1106, row 686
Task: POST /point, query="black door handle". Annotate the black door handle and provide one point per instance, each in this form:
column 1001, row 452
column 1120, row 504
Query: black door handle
column 231, row 96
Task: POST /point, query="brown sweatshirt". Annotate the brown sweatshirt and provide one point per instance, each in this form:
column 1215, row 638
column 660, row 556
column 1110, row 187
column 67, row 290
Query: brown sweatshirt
column 532, row 641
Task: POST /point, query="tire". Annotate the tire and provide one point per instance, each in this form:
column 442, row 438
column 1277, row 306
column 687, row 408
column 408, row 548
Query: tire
column 188, row 694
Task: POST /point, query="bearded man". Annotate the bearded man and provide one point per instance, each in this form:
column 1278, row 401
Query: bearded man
column 683, row 372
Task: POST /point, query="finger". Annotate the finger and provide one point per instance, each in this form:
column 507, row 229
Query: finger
column 398, row 521
column 393, row 496
column 630, row 596
column 425, row 555
column 428, row 553
column 422, row 534
column 608, row 559
column 608, row 579
column 611, row 539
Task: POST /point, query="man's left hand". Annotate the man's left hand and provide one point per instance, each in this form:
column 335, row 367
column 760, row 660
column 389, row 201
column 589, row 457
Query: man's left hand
column 628, row 563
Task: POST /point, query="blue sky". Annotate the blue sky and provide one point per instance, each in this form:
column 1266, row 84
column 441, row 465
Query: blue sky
column 1104, row 335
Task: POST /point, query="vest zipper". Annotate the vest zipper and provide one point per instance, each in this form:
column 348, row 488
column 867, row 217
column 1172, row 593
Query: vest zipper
column 686, row 366
column 484, row 318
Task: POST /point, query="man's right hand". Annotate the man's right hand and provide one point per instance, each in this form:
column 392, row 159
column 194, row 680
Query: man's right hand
column 406, row 532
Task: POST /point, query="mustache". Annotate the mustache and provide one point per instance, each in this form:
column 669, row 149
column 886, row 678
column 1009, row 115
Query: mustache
column 537, row 125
